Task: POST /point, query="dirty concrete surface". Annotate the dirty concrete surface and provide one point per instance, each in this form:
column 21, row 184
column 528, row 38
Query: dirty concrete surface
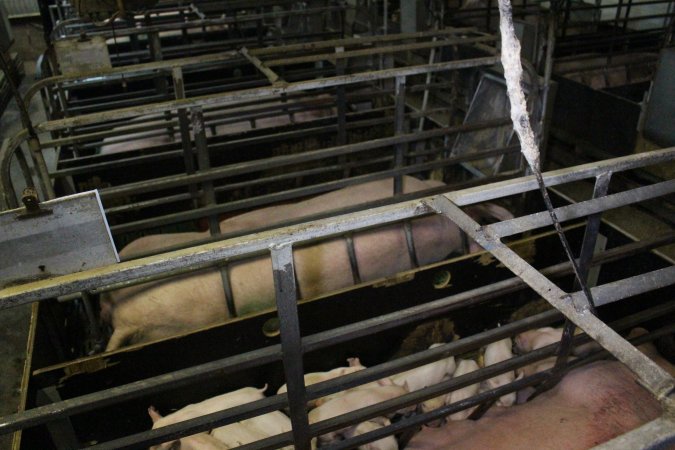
column 14, row 322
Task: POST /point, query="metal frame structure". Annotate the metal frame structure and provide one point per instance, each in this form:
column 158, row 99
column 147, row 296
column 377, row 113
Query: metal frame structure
column 280, row 243
column 189, row 117
column 172, row 30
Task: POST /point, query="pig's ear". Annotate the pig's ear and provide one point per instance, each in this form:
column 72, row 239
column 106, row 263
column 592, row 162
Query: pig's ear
column 154, row 414
column 175, row 445
column 354, row 362
column 385, row 382
column 635, row 332
column 520, row 376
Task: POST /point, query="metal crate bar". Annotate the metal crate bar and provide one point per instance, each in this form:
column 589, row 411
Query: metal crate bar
column 655, row 379
column 214, row 252
column 234, row 97
column 217, row 419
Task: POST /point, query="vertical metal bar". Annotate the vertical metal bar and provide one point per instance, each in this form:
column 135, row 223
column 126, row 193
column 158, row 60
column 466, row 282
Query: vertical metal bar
column 653, row 377
column 61, row 431
column 353, row 261
column 585, row 257
column 614, row 31
column 626, row 16
column 341, row 109
column 23, row 165
column 209, row 197
column 286, row 297
column 185, row 36
column 161, row 85
column 343, row 21
column 488, row 6
column 385, row 17
column 410, row 243
column 135, row 47
column 60, row 92
column 592, row 226
column 566, row 20
column 425, row 96
column 43, row 172
column 259, row 28
column 188, row 159
column 547, row 107
column 399, row 124
column 94, row 330
column 227, row 288
column 155, row 47
column 341, row 99
column 204, row 163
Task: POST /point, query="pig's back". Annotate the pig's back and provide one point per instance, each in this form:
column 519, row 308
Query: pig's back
column 591, row 405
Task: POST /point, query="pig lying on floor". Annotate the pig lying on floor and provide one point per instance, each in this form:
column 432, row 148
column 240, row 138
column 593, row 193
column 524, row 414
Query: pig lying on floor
column 169, row 307
column 296, row 113
column 591, row 405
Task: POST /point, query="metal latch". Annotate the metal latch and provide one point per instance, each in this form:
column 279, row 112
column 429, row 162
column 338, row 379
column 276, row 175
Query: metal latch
column 32, row 203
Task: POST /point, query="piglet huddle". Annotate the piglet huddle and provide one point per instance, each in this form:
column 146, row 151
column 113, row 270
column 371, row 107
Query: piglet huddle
column 257, row 428
column 579, row 402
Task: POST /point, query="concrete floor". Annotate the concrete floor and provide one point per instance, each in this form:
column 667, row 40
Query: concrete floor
column 14, row 322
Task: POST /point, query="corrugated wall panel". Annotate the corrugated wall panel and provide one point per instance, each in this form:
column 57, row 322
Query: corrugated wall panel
column 18, row 8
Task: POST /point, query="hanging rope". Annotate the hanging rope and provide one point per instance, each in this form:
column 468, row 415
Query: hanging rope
column 513, row 73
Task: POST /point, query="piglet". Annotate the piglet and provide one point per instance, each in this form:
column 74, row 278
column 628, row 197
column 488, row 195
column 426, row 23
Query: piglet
column 318, row 377
column 495, row 353
column 373, row 384
column 254, row 429
column 208, row 406
column 351, row 401
column 387, row 443
column 463, row 367
column 541, row 337
column 199, row 441
column 426, row 375
column 434, row 403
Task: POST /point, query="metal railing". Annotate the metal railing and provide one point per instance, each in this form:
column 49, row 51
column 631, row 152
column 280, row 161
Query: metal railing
column 279, row 244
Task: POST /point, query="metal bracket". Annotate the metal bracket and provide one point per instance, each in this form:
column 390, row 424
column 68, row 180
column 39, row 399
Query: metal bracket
column 32, row 203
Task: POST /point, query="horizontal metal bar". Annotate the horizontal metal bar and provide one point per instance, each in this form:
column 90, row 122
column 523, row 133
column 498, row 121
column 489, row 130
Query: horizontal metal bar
column 214, row 252
column 655, row 379
column 311, row 343
column 238, row 96
column 235, row 19
column 216, row 419
column 196, row 425
column 628, row 287
column 88, row 402
column 291, row 194
column 420, row 419
column 581, row 209
column 335, row 56
column 365, row 40
column 255, row 358
column 658, row 433
column 614, row 254
column 560, row 176
column 277, row 161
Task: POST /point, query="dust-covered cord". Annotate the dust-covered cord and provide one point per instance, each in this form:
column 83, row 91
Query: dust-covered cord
column 513, row 73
